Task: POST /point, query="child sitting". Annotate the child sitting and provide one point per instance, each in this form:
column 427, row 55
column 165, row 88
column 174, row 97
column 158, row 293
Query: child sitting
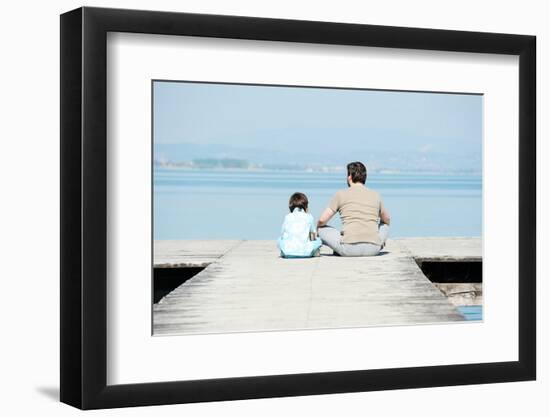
column 298, row 237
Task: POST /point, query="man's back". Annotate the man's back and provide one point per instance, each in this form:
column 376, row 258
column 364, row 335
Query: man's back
column 359, row 209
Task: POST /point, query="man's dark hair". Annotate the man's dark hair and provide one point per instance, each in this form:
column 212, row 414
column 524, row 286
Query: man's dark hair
column 357, row 171
column 297, row 200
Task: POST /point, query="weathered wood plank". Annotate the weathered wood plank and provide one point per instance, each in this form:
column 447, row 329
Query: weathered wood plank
column 462, row 294
column 189, row 253
column 443, row 248
column 251, row 288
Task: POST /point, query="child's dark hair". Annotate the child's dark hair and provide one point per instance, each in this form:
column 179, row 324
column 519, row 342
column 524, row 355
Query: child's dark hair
column 297, row 200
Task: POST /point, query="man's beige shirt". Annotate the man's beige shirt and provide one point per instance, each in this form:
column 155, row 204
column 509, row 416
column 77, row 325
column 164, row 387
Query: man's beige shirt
column 359, row 209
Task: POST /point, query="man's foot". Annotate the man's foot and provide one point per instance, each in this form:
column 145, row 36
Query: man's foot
column 317, row 253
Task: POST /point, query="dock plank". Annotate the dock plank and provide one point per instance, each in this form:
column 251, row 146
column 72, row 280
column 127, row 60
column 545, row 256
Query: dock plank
column 189, row 253
column 443, row 248
column 250, row 288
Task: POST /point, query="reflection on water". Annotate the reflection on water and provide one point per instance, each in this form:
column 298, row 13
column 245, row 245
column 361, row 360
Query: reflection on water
column 201, row 204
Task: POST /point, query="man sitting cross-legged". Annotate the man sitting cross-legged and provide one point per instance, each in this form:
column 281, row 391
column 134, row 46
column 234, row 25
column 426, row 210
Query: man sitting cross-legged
column 365, row 221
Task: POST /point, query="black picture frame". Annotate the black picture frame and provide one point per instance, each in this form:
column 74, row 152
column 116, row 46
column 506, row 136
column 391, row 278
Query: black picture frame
column 84, row 207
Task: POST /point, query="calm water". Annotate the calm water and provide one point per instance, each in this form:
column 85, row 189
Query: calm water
column 471, row 313
column 201, row 204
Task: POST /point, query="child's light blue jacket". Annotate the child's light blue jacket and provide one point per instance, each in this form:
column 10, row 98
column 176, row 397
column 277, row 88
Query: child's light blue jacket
column 294, row 241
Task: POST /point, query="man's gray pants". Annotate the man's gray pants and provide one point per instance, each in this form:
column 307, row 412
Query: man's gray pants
column 333, row 239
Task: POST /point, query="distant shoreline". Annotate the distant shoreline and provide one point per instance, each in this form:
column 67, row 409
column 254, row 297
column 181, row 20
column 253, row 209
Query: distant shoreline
column 323, row 170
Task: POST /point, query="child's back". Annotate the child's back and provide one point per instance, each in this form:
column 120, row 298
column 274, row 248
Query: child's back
column 295, row 239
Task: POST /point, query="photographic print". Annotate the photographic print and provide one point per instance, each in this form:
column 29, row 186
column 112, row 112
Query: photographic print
column 292, row 207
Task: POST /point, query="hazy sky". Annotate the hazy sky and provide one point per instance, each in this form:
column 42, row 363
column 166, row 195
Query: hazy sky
column 317, row 121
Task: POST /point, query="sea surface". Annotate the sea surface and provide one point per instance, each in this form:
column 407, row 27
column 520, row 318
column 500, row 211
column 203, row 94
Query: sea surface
column 246, row 204
column 471, row 313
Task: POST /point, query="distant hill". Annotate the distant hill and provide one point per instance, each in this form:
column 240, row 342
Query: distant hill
column 222, row 156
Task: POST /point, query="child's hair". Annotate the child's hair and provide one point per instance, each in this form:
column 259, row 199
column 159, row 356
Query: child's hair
column 297, row 200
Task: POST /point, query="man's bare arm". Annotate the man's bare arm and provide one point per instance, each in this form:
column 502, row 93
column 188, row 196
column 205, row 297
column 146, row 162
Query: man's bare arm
column 325, row 217
column 384, row 216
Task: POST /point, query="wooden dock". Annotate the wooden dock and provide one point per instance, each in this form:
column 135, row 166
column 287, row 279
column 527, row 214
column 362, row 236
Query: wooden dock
column 462, row 249
column 246, row 286
column 190, row 253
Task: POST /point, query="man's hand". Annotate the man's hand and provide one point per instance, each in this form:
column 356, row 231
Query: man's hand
column 325, row 217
